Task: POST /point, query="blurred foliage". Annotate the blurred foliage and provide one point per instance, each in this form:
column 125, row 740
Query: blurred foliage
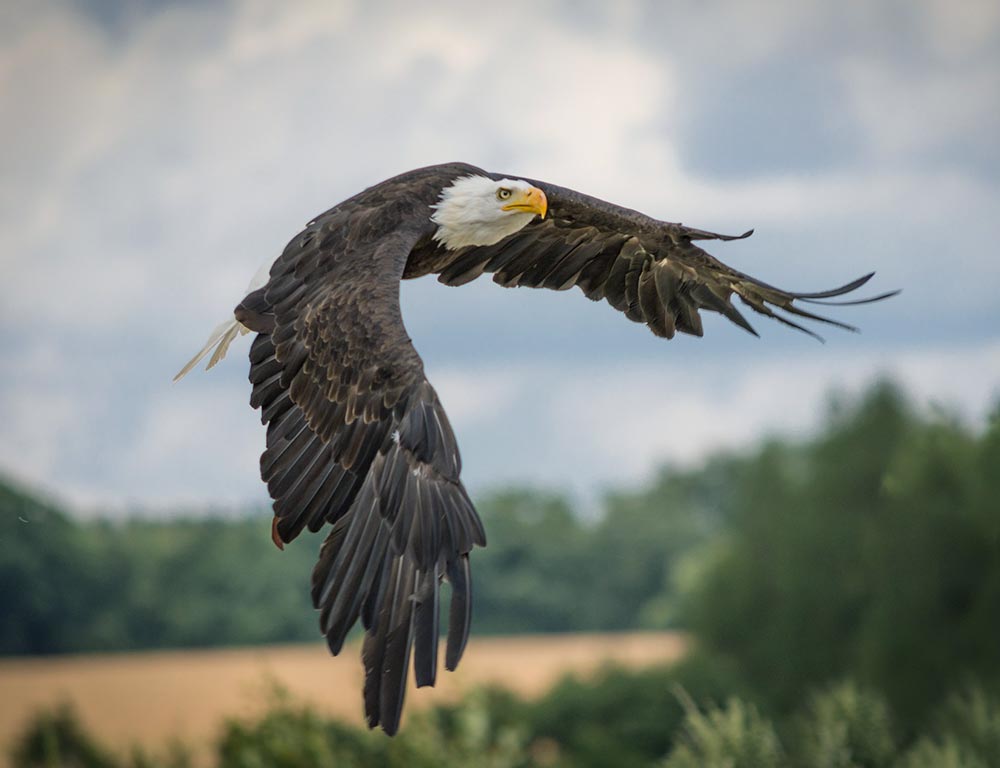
column 57, row 738
column 101, row 585
column 869, row 554
column 734, row 736
column 872, row 551
column 210, row 581
column 845, row 726
column 970, row 718
column 631, row 713
column 480, row 732
column 492, row 728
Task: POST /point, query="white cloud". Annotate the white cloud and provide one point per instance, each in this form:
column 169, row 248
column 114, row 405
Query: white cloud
column 906, row 113
column 588, row 427
column 582, row 427
column 193, row 445
column 147, row 174
column 34, row 423
column 956, row 36
column 169, row 165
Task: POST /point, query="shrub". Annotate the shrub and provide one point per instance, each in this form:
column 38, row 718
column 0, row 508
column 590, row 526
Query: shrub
column 949, row 754
column 965, row 733
column 290, row 735
column 625, row 718
column 734, row 736
column 56, row 739
column 845, row 727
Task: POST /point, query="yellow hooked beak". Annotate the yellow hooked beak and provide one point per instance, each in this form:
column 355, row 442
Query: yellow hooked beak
column 531, row 200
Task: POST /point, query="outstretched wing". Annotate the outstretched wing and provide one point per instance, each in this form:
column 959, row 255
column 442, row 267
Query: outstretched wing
column 651, row 270
column 356, row 437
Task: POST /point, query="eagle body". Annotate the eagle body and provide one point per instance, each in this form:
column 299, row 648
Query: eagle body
column 358, row 440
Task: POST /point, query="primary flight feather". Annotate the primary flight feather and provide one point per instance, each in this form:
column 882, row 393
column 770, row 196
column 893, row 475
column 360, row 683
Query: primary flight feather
column 356, row 435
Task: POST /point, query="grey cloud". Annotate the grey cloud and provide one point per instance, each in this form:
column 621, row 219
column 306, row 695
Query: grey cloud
column 809, row 87
column 772, row 117
column 158, row 157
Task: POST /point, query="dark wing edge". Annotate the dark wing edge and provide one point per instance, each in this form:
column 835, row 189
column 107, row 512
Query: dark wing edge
column 411, row 526
column 648, row 269
column 357, row 437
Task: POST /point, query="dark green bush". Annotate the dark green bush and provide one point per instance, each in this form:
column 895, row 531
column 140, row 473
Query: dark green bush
column 290, row 735
column 481, row 730
column 613, row 724
column 625, row 717
column 56, row 739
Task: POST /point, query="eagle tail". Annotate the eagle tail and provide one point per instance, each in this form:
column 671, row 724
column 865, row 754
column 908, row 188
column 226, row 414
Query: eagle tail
column 220, row 338
column 224, row 333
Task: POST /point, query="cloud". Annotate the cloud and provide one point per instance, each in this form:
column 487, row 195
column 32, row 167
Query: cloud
column 157, row 167
column 584, row 427
column 818, row 86
column 941, row 114
column 156, row 157
column 172, row 437
column 591, row 427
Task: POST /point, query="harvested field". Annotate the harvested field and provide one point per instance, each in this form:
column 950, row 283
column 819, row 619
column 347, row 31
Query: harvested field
column 149, row 698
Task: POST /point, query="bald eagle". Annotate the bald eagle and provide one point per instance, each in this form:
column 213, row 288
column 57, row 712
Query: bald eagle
column 356, row 435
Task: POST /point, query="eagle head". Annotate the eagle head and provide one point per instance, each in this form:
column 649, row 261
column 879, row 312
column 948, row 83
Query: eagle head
column 476, row 210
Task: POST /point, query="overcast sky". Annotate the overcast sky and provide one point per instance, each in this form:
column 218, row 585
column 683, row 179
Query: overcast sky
column 156, row 153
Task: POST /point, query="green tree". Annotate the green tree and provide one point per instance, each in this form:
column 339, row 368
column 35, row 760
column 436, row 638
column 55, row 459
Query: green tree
column 872, row 551
column 536, row 570
column 47, row 572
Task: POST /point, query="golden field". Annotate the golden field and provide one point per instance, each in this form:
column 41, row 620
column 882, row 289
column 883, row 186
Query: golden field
column 150, row 698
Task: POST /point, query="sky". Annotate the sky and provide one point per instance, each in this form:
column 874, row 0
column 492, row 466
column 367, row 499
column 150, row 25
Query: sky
column 157, row 153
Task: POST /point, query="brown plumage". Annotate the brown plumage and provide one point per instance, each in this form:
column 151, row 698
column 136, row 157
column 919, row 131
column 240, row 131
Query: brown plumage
column 356, row 435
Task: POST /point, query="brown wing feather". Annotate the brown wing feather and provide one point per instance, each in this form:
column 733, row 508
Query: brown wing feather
column 650, row 270
column 356, row 437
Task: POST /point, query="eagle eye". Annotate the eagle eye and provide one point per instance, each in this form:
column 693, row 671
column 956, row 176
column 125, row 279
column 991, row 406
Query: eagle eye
column 503, row 193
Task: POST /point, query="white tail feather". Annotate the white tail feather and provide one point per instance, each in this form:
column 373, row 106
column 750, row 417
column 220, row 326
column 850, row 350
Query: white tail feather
column 224, row 333
column 220, row 338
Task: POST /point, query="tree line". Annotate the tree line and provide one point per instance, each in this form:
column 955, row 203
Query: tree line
column 74, row 585
column 856, row 571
